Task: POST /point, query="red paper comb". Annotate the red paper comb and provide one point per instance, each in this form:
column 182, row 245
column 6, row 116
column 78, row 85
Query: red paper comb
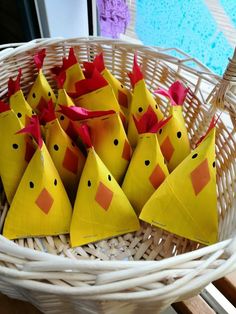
column 39, row 58
column 88, row 69
column 71, row 60
column 91, row 84
column 14, row 85
column 4, row 107
column 84, row 134
column 136, row 75
column 48, row 113
column 213, row 123
column 33, row 128
column 99, row 62
column 60, row 79
column 176, row 93
column 75, row 113
column 149, row 123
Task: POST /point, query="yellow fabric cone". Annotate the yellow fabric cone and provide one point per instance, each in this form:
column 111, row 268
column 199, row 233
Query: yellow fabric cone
column 146, row 171
column 111, row 143
column 40, row 93
column 66, row 156
column 101, row 208
column 40, row 206
column 73, row 74
column 13, row 152
column 20, row 106
column 186, row 203
column 173, row 139
column 141, row 100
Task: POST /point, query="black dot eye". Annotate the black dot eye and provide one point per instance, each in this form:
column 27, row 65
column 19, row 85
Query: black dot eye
column 179, row 134
column 19, row 115
column 121, row 86
column 156, row 107
column 214, row 164
column 55, row 182
column 62, row 117
column 56, row 147
column 147, row 162
column 160, row 131
column 194, row 156
column 33, row 112
column 31, row 184
column 89, row 183
column 140, row 109
column 109, row 177
column 49, row 94
column 34, row 95
column 15, row 146
column 116, row 141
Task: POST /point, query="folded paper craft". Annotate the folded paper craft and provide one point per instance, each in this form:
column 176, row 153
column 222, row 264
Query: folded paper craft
column 40, row 206
column 101, row 208
column 108, row 137
column 71, row 67
column 64, row 99
column 123, row 95
column 173, row 137
column 66, row 156
column 147, row 169
column 41, row 92
column 15, row 150
column 141, row 100
column 17, row 99
column 186, row 203
column 95, row 93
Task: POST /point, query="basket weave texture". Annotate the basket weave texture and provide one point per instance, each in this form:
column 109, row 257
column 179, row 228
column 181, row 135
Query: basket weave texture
column 149, row 269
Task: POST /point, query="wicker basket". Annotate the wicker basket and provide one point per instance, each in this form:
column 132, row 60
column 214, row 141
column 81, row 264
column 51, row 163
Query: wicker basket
column 149, row 269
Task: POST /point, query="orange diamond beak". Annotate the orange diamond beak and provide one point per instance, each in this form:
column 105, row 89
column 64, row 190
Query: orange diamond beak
column 167, row 149
column 122, row 99
column 157, row 177
column 104, row 196
column 126, row 154
column 200, row 177
column 70, row 161
column 44, row 201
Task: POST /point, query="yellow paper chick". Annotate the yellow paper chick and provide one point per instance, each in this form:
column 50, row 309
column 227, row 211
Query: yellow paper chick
column 40, row 206
column 95, row 93
column 41, row 92
column 15, row 151
column 173, row 137
column 101, row 208
column 123, row 95
column 17, row 99
column 72, row 70
column 141, row 100
column 186, row 203
column 66, row 156
column 147, row 169
column 108, row 138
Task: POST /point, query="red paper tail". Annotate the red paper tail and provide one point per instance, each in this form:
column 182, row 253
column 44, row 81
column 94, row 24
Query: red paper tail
column 33, row 128
column 99, row 62
column 4, row 107
column 77, row 113
column 39, row 58
column 48, row 113
column 60, row 79
column 213, row 123
column 14, row 85
column 136, row 75
column 71, row 60
column 176, row 93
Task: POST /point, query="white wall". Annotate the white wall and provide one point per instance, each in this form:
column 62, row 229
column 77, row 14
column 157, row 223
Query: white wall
column 67, row 18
